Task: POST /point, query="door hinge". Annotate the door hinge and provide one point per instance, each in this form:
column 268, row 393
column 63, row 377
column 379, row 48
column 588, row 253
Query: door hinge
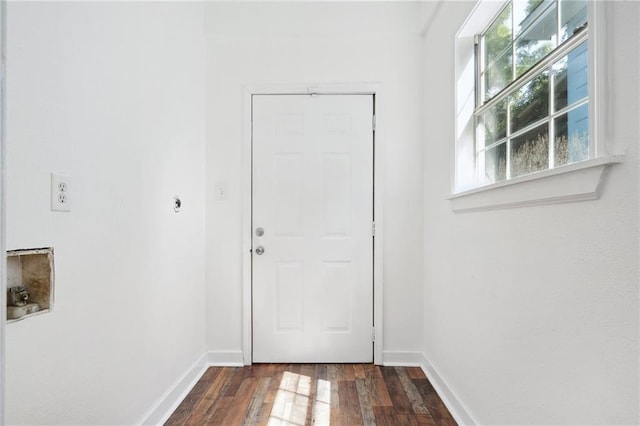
column 373, row 229
column 373, row 122
column 373, row 334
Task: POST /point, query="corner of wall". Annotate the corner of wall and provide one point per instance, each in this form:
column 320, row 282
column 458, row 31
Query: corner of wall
column 225, row 358
column 455, row 406
column 160, row 412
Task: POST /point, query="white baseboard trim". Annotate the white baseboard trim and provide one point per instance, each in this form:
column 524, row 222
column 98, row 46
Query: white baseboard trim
column 402, row 359
column 461, row 414
column 160, row 412
column 225, row 359
column 171, row 399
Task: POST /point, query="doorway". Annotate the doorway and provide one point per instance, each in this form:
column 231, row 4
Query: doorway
column 312, row 228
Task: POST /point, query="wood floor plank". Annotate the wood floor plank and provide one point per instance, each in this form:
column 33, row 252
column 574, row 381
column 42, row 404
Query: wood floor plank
column 217, row 413
column 209, row 398
column 399, row 398
column 372, row 370
column 425, row 420
column 322, row 371
column 310, row 370
column 412, row 392
column 212, row 411
column 408, row 419
column 347, row 372
column 380, row 394
column 267, row 408
column 238, row 375
column 184, row 410
column 337, row 417
column 272, row 391
column 385, row 416
column 358, row 370
column 312, row 394
column 333, row 377
column 313, row 389
column 257, row 402
column 350, row 403
column 416, row 373
column 237, row 412
column 433, row 403
column 364, row 387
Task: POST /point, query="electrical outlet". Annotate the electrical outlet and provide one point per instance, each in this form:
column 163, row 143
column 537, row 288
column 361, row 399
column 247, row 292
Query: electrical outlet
column 60, row 200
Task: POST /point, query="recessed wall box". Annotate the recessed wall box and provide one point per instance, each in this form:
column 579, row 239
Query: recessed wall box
column 30, row 283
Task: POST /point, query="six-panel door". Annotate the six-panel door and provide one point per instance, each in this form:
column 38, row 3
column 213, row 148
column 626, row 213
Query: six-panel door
column 312, row 284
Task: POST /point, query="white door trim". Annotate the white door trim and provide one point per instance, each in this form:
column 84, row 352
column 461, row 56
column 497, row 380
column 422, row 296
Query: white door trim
column 3, row 203
column 350, row 89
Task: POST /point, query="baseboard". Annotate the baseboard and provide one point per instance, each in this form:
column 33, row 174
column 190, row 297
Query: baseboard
column 225, row 359
column 402, row 359
column 461, row 415
column 166, row 405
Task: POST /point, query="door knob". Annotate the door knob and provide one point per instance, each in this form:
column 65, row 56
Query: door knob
column 259, row 250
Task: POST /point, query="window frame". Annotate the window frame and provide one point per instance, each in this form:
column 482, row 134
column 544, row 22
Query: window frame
column 464, row 177
column 545, row 64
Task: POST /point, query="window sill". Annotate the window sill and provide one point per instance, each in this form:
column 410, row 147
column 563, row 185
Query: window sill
column 575, row 182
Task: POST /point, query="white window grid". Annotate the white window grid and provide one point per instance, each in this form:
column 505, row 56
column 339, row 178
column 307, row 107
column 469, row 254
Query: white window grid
column 581, row 35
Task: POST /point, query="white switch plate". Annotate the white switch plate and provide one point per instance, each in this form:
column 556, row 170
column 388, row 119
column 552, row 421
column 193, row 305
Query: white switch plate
column 221, row 190
column 60, row 199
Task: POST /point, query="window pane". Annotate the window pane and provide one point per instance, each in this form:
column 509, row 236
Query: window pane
column 495, row 122
column 537, row 40
column 571, row 77
column 498, row 36
column 530, row 151
column 572, row 136
column 559, row 71
column 530, row 103
column 495, row 163
column 573, row 15
column 498, row 75
column 525, row 12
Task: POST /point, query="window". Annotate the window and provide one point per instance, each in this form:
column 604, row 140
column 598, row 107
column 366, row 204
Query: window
column 531, row 87
column 532, row 115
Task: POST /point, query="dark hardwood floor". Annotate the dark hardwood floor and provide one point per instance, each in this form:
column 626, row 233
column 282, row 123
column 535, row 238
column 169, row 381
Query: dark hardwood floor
column 312, row 394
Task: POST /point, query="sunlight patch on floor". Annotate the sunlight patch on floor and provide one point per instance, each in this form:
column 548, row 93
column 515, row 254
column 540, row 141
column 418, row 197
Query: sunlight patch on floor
column 292, row 401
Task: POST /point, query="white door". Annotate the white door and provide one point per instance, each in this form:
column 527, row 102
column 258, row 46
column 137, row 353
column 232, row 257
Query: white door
column 312, row 228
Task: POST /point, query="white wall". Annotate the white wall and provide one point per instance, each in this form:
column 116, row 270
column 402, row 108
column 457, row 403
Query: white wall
column 253, row 44
column 111, row 94
column 531, row 314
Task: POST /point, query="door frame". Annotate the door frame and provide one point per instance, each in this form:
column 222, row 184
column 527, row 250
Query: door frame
column 374, row 89
column 3, row 204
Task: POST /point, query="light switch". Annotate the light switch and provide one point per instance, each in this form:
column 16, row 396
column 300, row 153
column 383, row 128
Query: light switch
column 221, row 190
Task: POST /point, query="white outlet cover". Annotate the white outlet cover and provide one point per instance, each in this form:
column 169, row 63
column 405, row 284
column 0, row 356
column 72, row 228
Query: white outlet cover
column 60, row 194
